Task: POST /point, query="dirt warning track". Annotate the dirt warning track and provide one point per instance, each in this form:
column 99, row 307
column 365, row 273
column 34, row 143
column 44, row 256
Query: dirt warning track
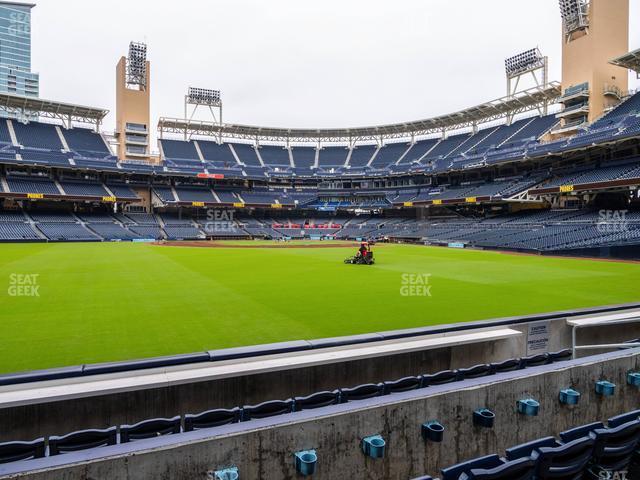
column 256, row 245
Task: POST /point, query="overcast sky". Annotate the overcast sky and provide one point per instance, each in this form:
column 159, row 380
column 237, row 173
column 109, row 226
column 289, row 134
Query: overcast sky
column 328, row 63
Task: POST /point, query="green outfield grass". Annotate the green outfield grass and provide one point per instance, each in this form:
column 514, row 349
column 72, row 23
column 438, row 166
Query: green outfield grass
column 110, row 301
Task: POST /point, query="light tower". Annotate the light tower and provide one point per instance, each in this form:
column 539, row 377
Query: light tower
column 530, row 64
column 133, row 104
column 593, row 33
column 203, row 97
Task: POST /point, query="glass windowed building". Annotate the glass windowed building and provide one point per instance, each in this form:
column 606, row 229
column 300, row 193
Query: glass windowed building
column 15, row 50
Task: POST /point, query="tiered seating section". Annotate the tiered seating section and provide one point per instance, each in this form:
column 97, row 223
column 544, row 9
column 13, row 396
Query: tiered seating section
column 89, row 439
column 432, row 155
column 72, row 187
column 45, row 144
column 51, row 145
column 591, row 451
column 540, row 231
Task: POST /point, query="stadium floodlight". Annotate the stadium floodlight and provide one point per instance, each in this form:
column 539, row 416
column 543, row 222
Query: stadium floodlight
column 203, row 96
column 524, row 62
column 530, row 63
column 137, row 64
column 575, row 15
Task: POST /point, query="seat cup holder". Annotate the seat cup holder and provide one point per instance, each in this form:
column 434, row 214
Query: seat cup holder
column 605, row 388
column 374, row 446
column 528, row 407
column 484, row 417
column 569, row 396
column 633, row 379
column 306, row 461
column 226, row 474
column 433, row 431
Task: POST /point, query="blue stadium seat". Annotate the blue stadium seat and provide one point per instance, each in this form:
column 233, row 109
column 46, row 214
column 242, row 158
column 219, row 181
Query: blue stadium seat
column 361, row 392
column 521, row 469
column 561, row 356
column 87, row 143
column 403, row 385
column 149, row 429
column 507, row 365
column 535, row 360
column 440, row 378
column 267, row 409
column 614, row 448
column 82, row 440
column 487, row 462
column 618, row 420
column 579, row 432
column 475, row 372
column 566, row 462
column 316, row 400
column 526, row 449
column 211, row 418
column 15, row 451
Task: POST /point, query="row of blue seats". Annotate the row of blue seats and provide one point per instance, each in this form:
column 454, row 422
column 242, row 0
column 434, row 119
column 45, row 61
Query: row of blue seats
column 81, row 440
column 41, row 144
column 594, row 451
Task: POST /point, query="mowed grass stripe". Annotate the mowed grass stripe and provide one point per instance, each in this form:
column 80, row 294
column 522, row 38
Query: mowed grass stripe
column 118, row 301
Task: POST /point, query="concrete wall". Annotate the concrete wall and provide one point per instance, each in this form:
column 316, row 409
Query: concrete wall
column 263, row 449
column 57, row 418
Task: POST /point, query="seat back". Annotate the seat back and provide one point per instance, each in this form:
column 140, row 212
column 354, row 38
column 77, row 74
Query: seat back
column 618, row 420
column 316, row 400
column 440, row 378
column 15, row 451
column 211, row 418
column 82, row 440
column 526, row 449
column 267, row 409
column 475, row 371
column 403, row 385
column 454, row 472
column 507, row 365
column 521, row 469
column 535, row 360
column 149, row 429
column 580, row 432
column 564, row 462
column 614, row 446
column 561, row 356
column 368, row 390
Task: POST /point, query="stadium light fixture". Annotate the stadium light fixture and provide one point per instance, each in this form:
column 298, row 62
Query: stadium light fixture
column 203, row 96
column 575, row 15
column 524, row 62
column 528, row 63
column 137, row 64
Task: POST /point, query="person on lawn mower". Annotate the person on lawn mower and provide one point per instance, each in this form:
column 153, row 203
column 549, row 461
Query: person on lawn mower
column 363, row 250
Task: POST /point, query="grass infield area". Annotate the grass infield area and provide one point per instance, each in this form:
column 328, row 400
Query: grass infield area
column 69, row 304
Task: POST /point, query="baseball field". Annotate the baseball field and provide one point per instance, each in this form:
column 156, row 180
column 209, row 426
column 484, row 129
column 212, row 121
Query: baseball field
column 69, row 304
